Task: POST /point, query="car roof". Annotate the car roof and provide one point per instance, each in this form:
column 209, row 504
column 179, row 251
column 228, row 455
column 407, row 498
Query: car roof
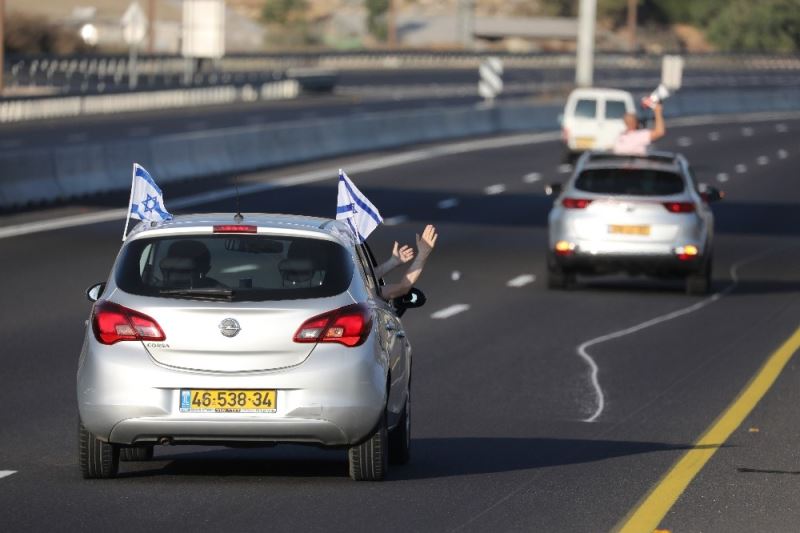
column 599, row 92
column 274, row 223
column 656, row 160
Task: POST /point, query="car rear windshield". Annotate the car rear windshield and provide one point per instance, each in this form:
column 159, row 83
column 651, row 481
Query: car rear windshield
column 586, row 108
column 615, row 109
column 234, row 267
column 630, row 181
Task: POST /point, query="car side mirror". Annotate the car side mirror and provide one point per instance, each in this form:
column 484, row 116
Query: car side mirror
column 710, row 194
column 410, row 300
column 94, row 292
column 553, row 189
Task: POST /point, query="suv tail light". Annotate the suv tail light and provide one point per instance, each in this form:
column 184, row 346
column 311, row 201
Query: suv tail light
column 112, row 323
column 348, row 325
column 575, row 203
column 679, row 207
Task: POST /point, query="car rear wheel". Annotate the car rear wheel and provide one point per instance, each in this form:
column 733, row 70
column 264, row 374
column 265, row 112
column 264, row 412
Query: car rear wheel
column 559, row 278
column 136, row 453
column 98, row 459
column 699, row 283
column 400, row 437
column 369, row 460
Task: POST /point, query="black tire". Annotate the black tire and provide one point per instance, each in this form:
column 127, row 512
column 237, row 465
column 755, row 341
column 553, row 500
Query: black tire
column 558, row 278
column 699, row 283
column 369, row 460
column 136, row 453
column 400, row 437
column 98, row 459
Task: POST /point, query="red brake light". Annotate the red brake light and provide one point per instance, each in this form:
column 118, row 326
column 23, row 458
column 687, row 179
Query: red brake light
column 235, row 228
column 112, row 323
column 348, row 325
column 679, row 207
column 575, row 203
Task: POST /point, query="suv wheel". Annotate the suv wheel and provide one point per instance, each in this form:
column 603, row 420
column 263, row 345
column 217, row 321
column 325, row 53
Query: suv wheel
column 699, row 283
column 98, row 459
column 558, row 278
column 400, row 437
column 369, row 460
column 136, row 453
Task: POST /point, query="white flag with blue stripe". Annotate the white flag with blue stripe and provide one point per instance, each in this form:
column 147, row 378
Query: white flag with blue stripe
column 356, row 209
column 147, row 200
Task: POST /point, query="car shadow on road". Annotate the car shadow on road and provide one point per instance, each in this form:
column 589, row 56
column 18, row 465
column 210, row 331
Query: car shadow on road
column 431, row 458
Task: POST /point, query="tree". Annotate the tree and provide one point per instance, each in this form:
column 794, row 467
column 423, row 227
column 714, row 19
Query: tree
column 377, row 11
column 764, row 26
column 283, row 11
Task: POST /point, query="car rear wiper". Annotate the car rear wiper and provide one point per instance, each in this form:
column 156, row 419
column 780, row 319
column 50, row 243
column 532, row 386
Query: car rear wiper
column 200, row 292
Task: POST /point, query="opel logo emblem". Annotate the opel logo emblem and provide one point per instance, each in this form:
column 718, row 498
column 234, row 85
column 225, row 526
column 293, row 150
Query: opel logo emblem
column 229, row 327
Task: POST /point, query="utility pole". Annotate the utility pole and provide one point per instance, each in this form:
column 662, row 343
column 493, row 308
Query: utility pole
column 632, row 15
column 151, row 24
column 466, row 22
column 584, row 63
column 2, row 43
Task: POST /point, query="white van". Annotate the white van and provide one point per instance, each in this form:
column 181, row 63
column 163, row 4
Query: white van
column 593, row 120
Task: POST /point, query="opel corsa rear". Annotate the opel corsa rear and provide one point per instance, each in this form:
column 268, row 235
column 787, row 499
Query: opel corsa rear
column 270, row 330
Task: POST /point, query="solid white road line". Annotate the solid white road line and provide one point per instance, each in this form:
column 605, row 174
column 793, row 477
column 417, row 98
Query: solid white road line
column 684, row 141
column 593, row 368
column 782, row 154
column 395, row 220
column 762, row 160
column 532, row 177
column 781, row 128
column 6, row 473
column 447, row 312
column 521, row 281
column 713, row 136
column 747, row 131
column 565, row 168
column 498, row 188
column 741, row 168
column 722, row 177
column 447, row 203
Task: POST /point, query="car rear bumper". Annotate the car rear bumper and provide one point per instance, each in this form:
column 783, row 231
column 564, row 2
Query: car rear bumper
column 607, row 263
column 334, row 398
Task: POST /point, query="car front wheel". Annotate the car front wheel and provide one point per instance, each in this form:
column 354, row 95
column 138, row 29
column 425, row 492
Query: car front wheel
column 369, row 460
column 98, row 459
column 699, row 283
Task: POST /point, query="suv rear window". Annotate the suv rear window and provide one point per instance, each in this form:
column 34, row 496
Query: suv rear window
column 615, row 109
column 586, row 108
column 234, row 267
column 630, row 181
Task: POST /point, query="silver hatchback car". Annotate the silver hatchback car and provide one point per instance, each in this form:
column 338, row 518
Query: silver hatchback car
column 220, row 331
column 633, row 214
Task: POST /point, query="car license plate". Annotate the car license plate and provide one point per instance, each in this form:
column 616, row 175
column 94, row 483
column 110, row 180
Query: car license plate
column 228, row 401
column 584, row 143
column 620, row 229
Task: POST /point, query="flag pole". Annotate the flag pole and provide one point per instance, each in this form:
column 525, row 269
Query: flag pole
column 130, row 203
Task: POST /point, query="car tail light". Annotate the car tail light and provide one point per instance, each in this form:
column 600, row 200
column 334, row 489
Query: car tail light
column 687, row 253
column 348, row 325
column 679, row 207
column 575, row 203
column 235, row 228
column 112, row 323
column 564, row 248
column 564, row 134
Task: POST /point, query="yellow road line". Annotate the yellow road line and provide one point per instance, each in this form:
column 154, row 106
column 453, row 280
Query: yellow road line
column 649, row 512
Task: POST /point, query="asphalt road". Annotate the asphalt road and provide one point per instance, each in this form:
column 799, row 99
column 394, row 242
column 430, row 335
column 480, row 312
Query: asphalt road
column 500, row 393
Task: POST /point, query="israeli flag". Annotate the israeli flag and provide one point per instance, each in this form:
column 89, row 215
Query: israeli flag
column 147, row 201
column 351, row 205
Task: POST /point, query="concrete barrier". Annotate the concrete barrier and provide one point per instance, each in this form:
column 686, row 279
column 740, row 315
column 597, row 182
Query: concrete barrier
column 30, row 176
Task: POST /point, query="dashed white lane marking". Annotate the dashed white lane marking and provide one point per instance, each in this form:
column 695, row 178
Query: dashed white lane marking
column 747, row 132
column 762, row 160
column 394, row 221
column 684, row 141
column 741, row 168
column 781, row 128
column 722, row 177
column 447, row 203
column 448, row 312
column 498, row 188
column 594, row 370
column 6, row 473
column 532, row 177
column 565, row 168
column 782, row 154
column 713, row 136
column 455, row 275
column 77, row 137
column 521, row 281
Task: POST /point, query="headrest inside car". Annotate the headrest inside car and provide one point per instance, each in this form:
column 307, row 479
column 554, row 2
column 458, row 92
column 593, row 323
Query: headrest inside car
column 296, row 270
column 178, row 264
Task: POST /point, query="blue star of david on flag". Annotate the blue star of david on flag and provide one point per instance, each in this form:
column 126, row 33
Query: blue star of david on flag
column 351, row 205
column 147, row 200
